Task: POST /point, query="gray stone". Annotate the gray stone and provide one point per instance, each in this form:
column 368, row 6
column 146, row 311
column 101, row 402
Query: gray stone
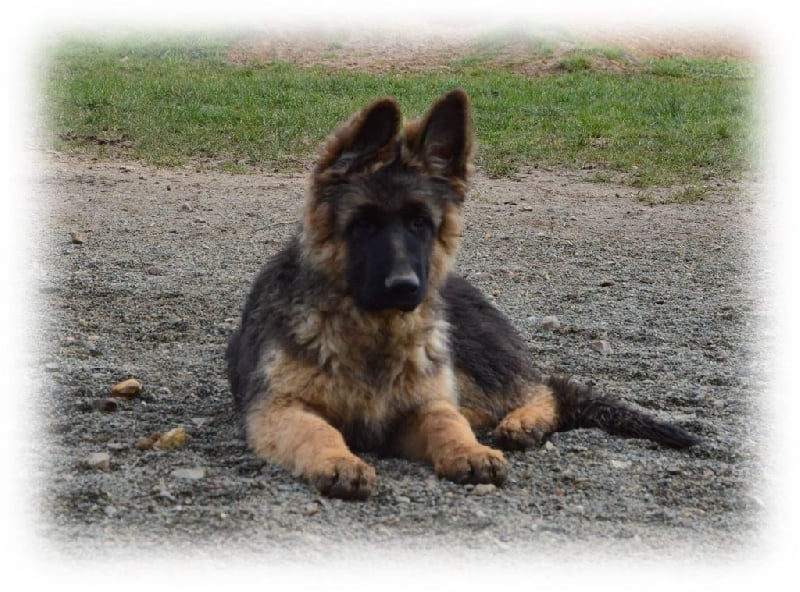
column 99, row 460
column 484, row 489
column 190, row 473
column 550, row 323
column 601, row 346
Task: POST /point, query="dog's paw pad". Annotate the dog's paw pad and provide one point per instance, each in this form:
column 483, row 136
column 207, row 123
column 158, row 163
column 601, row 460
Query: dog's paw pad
column 345, row 478
column 480, row 464
column 525, row 427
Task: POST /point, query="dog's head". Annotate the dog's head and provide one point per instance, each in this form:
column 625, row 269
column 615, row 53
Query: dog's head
column 383, row 214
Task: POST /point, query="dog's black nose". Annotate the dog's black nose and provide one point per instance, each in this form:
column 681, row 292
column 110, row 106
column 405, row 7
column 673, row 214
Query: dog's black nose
column 403, row 285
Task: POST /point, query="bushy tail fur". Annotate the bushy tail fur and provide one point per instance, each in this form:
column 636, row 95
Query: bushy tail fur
column 578, row 407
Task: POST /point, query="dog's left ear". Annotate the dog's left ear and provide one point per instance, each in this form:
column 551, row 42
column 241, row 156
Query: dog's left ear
column 443, row 138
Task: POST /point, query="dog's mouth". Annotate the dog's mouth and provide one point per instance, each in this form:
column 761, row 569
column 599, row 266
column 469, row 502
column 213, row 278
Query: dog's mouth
column 392, row 301
column 406, row 306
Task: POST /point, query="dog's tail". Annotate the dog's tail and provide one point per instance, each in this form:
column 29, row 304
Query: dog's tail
column 579, row 407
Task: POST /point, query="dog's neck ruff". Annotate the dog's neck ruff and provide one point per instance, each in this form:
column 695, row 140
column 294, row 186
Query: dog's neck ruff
column 346, row 338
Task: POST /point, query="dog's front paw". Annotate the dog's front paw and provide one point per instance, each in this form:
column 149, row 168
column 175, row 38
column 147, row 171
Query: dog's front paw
column 345, row 478
column 478, row 464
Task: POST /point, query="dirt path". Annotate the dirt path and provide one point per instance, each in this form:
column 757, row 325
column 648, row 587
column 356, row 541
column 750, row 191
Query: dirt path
column 155, row 286
column 527, row 50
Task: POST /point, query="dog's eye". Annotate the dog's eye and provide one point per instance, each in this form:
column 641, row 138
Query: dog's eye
column 418, row 223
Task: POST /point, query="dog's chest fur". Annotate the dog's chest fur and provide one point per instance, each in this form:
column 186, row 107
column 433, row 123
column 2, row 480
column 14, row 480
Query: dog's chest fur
column 362, row 372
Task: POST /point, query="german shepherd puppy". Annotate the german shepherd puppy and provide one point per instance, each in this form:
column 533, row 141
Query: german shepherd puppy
column 358, row 337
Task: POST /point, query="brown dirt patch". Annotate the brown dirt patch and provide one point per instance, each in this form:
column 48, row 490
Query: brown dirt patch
column 438, row 48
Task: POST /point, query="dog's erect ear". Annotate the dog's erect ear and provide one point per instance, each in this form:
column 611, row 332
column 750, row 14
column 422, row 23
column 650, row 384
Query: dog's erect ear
column 366, row 138
column 443, row 138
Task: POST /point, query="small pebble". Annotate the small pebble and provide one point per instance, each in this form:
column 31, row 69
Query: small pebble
column 127, row 388
column 550, row 323
column 146, row 442
column 484, row 488
column 192, row 473
column 107, row 405
column 174, row 438
column 187, row 207
column 620, row 464
column 608, row 282
column 77, row 238
column 99, row 460
column 601, row 346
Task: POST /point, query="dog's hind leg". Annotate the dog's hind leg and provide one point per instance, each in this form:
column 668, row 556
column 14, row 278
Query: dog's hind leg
column 529, row 424
column 559, row 404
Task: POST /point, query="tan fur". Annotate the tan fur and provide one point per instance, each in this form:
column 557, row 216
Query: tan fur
column 486, row 412
column 311, row 400
column 477, row 418
column 439, row 434
column 297, row 437
column 527, row 425
column 343, row 393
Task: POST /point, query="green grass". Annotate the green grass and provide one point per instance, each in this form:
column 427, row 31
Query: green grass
column 174, row 101
column 575, row 63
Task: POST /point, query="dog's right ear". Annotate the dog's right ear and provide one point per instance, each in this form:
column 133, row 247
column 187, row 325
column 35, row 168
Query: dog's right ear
column 366, row 138
column 442, row 140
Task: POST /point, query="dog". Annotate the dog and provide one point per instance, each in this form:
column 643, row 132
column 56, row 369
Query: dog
column 357, row 336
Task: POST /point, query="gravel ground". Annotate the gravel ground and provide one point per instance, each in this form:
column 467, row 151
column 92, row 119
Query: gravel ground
column 142, row 273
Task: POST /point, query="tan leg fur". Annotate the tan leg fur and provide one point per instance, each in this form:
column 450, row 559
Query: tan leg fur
column 527, row 425
column 311, row 448
column 439, row 434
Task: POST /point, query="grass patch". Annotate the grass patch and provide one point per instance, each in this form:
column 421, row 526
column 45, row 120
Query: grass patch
column 689, row 194
column 575, row 63
column 680, row 195
column 169, row 102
